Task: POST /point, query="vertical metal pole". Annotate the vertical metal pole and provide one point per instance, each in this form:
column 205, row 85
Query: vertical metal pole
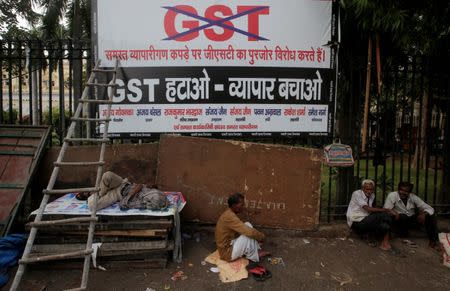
column 10, row 87
column 385, row 138
column 329, row 195
column 445, row 188
column 394, row 118
column 431, row 151
column 411, row 116
column 428, row 141
column 19, row 61
column 62, row 110
column 41, row 56
column 419, row 131
column 30, row 81
column 403, row 100
column 89, row 107
column 70, row 56
column 50, row 83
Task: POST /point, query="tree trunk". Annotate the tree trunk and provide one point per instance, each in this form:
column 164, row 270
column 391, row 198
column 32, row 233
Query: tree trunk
column 367, row 95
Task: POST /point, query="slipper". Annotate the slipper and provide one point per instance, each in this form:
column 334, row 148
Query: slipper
column 260, row 273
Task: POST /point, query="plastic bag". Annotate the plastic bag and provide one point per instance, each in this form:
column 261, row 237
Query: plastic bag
column 338, row 155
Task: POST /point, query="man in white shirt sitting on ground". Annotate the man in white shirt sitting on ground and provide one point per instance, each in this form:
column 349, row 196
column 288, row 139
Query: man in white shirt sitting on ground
column 412, row 211
column 364, row 218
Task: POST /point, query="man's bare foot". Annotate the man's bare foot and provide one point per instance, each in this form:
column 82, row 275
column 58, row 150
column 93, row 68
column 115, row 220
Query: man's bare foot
column 263, row 254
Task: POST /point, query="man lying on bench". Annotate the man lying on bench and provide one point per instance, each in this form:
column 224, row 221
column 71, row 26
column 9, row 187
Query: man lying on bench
column 114, row 188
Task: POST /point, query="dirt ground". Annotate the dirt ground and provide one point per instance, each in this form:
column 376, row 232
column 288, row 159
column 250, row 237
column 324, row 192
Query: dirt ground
column 334, row 262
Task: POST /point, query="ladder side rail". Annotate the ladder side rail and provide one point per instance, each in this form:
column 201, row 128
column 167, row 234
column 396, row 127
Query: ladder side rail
column 86, row 266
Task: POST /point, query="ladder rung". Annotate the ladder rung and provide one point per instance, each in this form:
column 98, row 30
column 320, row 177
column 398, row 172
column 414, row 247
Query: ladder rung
column 59, row 164
column 87, row 139
column 62, row 221
column 91, row 119
column 103, row 70
column 96, row 101
column 102, row 84
column 56, row 257
column 73, row 190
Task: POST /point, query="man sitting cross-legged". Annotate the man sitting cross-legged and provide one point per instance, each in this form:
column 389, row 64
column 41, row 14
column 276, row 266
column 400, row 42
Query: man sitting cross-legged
column 234, row 238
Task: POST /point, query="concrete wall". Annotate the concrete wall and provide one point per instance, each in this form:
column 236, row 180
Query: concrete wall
column 281, row 183
column 137, row 162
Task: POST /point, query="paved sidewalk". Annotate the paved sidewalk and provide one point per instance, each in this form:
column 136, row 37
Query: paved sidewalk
column 330, row 262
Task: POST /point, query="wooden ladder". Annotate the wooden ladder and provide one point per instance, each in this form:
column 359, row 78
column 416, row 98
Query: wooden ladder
column 92, row 219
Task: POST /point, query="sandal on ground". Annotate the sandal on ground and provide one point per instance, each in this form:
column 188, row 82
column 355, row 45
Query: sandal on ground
column 260, row 273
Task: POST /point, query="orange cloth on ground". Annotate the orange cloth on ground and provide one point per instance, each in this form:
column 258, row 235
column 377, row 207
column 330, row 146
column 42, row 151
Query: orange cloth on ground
column 229, row 271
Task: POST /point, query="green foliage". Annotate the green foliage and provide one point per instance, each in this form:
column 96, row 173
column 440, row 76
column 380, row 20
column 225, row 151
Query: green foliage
column 10, row 10
column 6, row 115
column 56, row 123
column 404, row 26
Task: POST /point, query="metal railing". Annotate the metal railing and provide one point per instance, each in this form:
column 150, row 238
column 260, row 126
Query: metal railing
column 40, row 81
column 407, row 138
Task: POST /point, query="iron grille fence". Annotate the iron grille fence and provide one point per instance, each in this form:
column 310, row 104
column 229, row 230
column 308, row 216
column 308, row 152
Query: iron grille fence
column 407, row 135
column 41, row 81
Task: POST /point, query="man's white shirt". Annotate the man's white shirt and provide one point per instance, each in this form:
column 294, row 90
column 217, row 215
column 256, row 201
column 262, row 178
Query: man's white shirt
column 355, row 210
column 393, row 201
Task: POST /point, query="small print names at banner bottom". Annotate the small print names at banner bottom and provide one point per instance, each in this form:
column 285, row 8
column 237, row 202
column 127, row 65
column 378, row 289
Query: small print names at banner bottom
column 189, row 118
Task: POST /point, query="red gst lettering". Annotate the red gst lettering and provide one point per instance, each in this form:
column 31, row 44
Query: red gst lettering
column 210, row 13
column 253, row 19
column 169, row 23
column 213, row 13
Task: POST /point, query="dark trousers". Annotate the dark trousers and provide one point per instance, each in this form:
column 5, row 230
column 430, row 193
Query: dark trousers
column 404, row 223
column 378, row 223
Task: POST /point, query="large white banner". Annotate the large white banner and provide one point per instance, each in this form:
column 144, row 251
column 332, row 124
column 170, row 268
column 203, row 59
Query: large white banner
column 195, row 55
column 282, row 33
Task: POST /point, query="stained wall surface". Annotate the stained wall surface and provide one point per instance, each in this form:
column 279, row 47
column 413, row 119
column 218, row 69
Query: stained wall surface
column 137, row 162
column 281, row 183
